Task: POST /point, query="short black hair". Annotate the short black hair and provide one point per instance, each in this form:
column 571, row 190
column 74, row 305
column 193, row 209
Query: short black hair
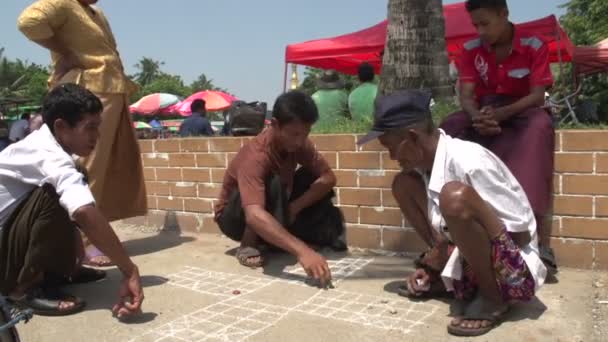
column 473, row 5
column 295, row 105
column 198, row 106
column 366, row 72
column 69, row 102
column 25, row 116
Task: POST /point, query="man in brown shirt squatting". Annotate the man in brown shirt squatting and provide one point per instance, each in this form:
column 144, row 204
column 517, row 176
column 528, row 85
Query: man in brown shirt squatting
column 264, row 197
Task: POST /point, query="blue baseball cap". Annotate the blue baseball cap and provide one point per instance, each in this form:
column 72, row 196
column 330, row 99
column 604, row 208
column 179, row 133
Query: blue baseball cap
column 400, row 109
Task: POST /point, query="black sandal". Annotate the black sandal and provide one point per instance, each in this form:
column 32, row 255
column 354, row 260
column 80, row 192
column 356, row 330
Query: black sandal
column 480, row 309
column 47, row 301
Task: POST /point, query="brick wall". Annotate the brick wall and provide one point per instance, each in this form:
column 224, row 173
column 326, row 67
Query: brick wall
column 183, row 177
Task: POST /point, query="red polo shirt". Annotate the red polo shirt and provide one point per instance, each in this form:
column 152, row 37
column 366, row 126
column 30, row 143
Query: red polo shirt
column 525, row 67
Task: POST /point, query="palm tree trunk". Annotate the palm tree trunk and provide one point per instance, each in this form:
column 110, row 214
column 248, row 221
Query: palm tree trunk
column 415, row 55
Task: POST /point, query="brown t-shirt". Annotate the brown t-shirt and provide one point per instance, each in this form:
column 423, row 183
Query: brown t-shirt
column 258, row 160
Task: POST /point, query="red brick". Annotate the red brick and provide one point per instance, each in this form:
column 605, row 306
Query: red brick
column 369, row 197
column 384, row 216
column 331, row 158
column 373, row 145
column 173, row 203
column 351, row 214
column 582, row 184
column 601, row 165
column 557, row 184
column 402, row 240
column 195, row 145
column 585, row 228
column 158, row 188
column 357, row 236
column 197, row 205
column 146, row 146
column 573, row 205
column 155, row 159
column 224, row 145
column 585, row 140
column 164, row 174
column 334, row 142
column 358, row 160
column 196, row 175
column 152, row 202
column 187, row 222
column 210, row 226
column 171, row 145
column 377, row 179
column 346, row 178
column 149, row 174
column 211, row 160
column 182, row 189
column 574, row 162
column 556, row 226
column 209, row 190
column 388, row 164
column 182, row 160
column 601, row 256
column 573, row 253
column 601, row 206
column 217, row 175
column 388, row 200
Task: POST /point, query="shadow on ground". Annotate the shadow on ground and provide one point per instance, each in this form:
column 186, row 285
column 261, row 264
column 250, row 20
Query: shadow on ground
column 163, row 240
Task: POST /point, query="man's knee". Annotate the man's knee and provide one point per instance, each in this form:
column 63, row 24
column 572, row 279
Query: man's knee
column 455, row 199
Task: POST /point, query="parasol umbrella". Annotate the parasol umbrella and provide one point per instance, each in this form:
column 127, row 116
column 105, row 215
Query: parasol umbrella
column 153, row 103
column 214, row 101
column 140, row 125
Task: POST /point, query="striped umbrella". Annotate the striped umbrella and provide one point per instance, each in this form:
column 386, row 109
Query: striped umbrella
column 153, row 103
column 140, row 125
column 214, row 101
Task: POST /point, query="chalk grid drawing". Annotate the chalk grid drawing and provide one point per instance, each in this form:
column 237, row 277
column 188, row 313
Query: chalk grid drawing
column 236, row 319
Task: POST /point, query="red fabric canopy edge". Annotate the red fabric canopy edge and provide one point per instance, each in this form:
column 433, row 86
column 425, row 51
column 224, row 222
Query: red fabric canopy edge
column 344, row 53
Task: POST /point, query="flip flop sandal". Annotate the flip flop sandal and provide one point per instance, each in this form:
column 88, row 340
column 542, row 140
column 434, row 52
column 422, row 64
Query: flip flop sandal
column 243, row 254
column 92, row 252
column 46, row 302
column 82, row 276
column 479, row 309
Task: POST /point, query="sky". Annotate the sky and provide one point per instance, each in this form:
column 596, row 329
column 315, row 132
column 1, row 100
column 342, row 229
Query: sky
column 240, row 44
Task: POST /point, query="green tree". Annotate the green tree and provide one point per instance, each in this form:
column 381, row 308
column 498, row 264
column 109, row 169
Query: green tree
column 586, row 24
column 164, row 83
column 202, row 83
column 148, row 70
column 21, row 80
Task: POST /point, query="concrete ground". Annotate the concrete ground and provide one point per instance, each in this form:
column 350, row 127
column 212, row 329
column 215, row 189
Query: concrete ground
column 196, row 291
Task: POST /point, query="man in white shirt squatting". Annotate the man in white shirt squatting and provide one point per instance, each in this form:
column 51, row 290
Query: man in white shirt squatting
column 469, row 209
column 44, row 199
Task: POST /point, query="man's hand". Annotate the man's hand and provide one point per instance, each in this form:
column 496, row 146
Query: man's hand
column 131, row 296
column 316, row 267
column 418, row 282
column 66, row 63
column 487, row 122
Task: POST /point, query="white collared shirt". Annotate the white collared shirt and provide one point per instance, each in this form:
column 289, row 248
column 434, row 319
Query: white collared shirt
column 34, row 161
column 472, row 164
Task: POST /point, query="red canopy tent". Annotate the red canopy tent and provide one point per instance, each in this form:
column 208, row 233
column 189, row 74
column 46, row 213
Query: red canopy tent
column 591, row 59
column 345, row 53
